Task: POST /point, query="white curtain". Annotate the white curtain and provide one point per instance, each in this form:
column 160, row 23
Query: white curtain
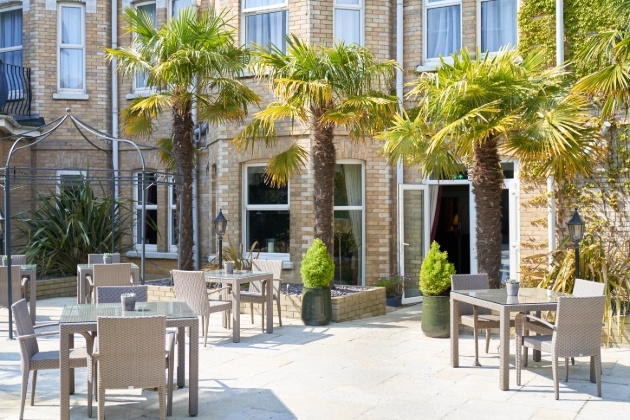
column 266, row 28
column 71, row 59
column 348, row 26
column 444, row 31
column 354, row 191
column 498, row 24
column 11, row 37
column 142, row 77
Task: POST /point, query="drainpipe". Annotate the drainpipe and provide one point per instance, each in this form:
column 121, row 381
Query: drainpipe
column 399, row 94
column 195, row 198
column 115, row 162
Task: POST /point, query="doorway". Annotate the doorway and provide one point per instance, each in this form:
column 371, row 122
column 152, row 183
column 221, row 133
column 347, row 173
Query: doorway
column 451, row 226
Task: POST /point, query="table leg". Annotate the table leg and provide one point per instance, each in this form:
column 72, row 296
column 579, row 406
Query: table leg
column 236, row 312
column 454, row 332
column 504, row 353
column 181, row 353
column 536, row 355
column 64, row 374
column 193, row 371
column 79, row 287
column 32, row 295
column 269, row 284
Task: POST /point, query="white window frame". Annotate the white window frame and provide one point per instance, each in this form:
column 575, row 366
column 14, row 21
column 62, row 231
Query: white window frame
column 518, row 5
column 61, row 46
column 143, row 90
column 261, row 207
column 67, row 172
column 432, row 63
column 137, row 207
column 282, row 6
column 344, row 6
column 172, row 213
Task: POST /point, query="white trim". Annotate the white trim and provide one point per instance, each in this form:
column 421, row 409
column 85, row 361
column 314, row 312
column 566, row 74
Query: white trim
column 172, row 210
column 71, row 96
column 81, row 47
column 360, row 6
column 138, row 245
column 432, row 63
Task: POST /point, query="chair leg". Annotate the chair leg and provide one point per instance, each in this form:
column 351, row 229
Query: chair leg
column 205, row 329
column 169, row 386
column 554, row 368
column 101, row 403
column 566, row 368
column 251, row 311
column 33, row 386
column 262, row 319
column 597, row 359
column 280, row 311
column 487, row 340
column 25, row 374
column 519, row 360
column 476, row 335
column 162, row 399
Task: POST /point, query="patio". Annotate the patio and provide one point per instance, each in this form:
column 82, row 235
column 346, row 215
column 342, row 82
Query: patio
column 373, row 368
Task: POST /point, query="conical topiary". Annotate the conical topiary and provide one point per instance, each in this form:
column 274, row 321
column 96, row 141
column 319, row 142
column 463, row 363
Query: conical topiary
column 436, row 271
column 318, row 268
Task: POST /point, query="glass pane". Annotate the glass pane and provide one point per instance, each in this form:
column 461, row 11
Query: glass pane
column 498, row 24
column 504, row 272
column 347, row 247
column 151, row 187
column 348, row 26
column 266, row 28
column 250, row 4
column 149, row 9
column 11, row 29
column 348, row 185
column 259, row 192
column 179, row 5
column 150, row 227
column 443, row 31
column 12, row 57
column 71, row 27
column 355, row 2
column 174, row 228
column 270, row 228
column 71, row 69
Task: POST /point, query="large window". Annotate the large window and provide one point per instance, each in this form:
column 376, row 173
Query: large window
column 266, row 212
column 348, row 21
column 141, row 78
column 443, row 28
column 150, row 226
column 497, row 24
column 266, row 22
column 348, row 223
column 11, row 36
column 70, row 181
column 72, row 48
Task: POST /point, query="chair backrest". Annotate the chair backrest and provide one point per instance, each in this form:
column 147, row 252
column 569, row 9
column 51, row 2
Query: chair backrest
column 469, row 282
column 98, row 258
column 131, row 351
column 19, row 259
column 111, row 294
column 24, row 326
column 190, row 286
column 583, row 288
column 578, row 326
column 267, row 266
column 16, row 285
column 112, row 275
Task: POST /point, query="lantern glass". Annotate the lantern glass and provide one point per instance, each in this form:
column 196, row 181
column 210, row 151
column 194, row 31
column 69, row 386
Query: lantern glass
column 220, row 223
column 576, row 227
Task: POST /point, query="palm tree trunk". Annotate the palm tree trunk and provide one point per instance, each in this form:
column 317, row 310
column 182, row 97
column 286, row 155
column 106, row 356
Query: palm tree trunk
column 487, row 181
column 183, row 153
column 324, row 159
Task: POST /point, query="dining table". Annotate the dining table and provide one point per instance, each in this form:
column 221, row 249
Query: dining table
column 82, row 318
column 83, row 287
column 528, row 300
column 234, row 280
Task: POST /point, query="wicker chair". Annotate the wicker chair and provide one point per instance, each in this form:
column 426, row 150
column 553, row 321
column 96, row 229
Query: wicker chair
column 190, row 286
column 576, row 333
column 130, row 353
column 20, row 259
column 256, row 293
column 485, row 320
column 110, row 275
column 581, row 288
column 33, row 360
column 111, row 294
column 16, row 285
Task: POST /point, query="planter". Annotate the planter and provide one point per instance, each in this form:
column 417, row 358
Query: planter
column 316, row 306
column 436, row 316
column 512, row 289
column 107, row 260
column 394, row 301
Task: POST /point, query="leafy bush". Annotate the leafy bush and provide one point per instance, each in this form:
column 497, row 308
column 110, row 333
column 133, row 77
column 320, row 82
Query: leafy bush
column 435, row 272
column 68, row 225
column 393, row 284
column 318, row 268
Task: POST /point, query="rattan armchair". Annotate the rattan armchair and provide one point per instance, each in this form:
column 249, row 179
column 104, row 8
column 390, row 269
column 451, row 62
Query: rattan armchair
column 16, row 285
column 110, row 275
column 33, row 360
column 111, row 294
column 190, row 286
column 20, row 259
column 256, row 292
column 577, row 332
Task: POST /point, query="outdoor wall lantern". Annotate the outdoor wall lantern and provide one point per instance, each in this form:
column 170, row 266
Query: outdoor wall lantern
column 220, row 223
column 576, row 232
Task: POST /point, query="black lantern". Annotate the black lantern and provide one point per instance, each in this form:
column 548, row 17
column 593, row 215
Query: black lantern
column 1, row 233
column 576, row 232
column 220, row 223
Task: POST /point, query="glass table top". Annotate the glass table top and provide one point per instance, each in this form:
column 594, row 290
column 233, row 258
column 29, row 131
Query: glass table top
column 237, row 274
column 525, row 295
column 85, row 312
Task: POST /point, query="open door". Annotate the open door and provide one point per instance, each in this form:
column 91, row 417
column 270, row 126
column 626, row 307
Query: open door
column 413, row 236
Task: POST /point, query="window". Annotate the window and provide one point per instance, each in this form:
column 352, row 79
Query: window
column 70, row 181
column 497, row 24
column 11, row 36
column 348, row 21
column 177, row 5
column 266, row 212
column 443, row 28
column 173, row 220
column 149, row 228
column 266, row 22
column 348, row 223
column 141, row 79
column 72, row 48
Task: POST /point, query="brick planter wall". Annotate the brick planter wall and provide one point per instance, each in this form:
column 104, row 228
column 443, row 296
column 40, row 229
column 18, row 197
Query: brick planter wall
column 59, row 287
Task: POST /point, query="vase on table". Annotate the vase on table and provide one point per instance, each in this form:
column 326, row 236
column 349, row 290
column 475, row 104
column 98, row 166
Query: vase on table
column 512, row 289
column 128, row 301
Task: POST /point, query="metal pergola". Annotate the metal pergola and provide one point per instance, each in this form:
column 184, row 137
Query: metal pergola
column 21, row 177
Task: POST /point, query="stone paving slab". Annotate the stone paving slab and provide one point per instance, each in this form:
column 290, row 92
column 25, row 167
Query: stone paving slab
column 374, row 368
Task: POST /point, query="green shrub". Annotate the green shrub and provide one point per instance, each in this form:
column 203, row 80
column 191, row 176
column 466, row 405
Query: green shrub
column 318, row 268
column 435, row 272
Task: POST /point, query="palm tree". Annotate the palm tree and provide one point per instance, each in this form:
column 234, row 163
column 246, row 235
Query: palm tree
column 475, row 110
column 189, row 61
column 326, row 89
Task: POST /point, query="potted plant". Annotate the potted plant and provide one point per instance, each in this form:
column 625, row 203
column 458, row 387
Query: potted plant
column 512, row 286
column 435, row 283
column 4, row 260
column 317, row 272
column 394, row 285
column 107, row 258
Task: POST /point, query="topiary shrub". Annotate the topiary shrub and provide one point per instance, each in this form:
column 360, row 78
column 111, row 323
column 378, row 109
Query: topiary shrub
column 318, row 268
column 435, row 272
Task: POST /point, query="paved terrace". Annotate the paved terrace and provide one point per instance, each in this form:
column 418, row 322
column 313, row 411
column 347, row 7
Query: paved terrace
column 375, row 368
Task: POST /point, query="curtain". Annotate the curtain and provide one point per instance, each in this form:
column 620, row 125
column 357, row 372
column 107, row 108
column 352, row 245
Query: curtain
column 142, row 78
column 348, row 26
column 71, row 59
column 352, row 176
column 498, row 24
column 266, row 28
column 11, row 36
column 435, row 197
column 444, row 31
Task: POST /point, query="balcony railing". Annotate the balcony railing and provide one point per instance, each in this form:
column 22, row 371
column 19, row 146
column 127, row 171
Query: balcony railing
column 15, row 90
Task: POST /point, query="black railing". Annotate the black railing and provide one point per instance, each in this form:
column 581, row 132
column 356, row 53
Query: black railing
column 15, row 90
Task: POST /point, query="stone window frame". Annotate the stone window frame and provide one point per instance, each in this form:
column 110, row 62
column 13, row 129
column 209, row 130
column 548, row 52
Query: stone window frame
column 359, row 6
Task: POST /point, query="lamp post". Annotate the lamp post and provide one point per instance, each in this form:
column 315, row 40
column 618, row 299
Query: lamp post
column 576, row 232
column 1, row 233
column 220, row 223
